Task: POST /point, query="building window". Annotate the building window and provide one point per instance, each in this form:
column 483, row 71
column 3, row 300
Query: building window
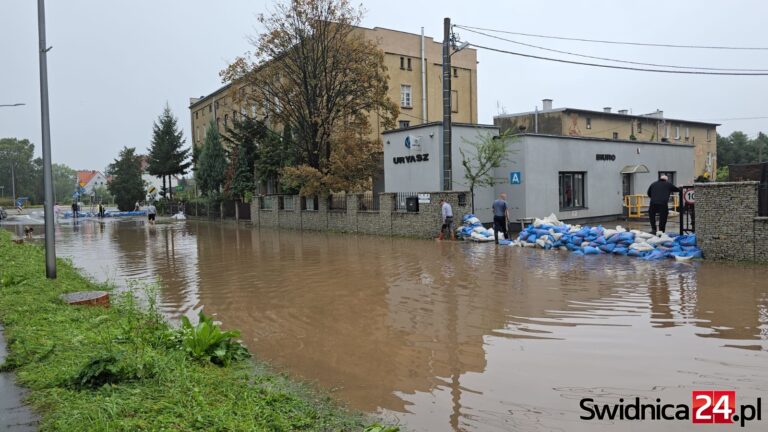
column 218, row 121
column 666, row 131
column 404, row 123
column 226, row 117
column 639, row 127
column 405, row 96
column 210, row 108
column 216, row 104
column 455, row 72
column 572, row 187
column 677, row 132
column 198, row 134
column 402, row 62
column 589, row 123
column 616, row 135
column 454, row 101
column 409, row 64
column 709, row 138
column 670, row 175
column 196, row 113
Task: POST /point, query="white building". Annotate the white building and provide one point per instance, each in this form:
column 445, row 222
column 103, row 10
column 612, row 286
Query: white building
column 575, row 178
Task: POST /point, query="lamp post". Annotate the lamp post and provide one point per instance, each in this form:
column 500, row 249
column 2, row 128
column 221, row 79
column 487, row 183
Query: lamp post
column 12, row 105
column 50, row 241
column 448, row 43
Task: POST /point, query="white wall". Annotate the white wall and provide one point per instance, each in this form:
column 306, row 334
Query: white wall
column 414, row 176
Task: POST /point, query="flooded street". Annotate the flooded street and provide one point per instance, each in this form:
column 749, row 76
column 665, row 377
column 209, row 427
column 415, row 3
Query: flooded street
column 455, row 336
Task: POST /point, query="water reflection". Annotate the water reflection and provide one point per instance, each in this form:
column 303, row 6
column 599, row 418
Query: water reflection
column 454, row 336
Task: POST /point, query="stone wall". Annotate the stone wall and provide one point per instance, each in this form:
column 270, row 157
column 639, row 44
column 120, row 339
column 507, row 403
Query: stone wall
column 387, row 221
column 727, row 222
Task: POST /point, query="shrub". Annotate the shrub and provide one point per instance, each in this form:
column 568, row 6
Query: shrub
column 206, row 342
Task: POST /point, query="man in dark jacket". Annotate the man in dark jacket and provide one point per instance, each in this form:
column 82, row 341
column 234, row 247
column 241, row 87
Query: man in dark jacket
column 659, row 192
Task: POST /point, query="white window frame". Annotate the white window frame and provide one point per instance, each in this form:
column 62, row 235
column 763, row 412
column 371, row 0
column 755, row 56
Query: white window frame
column 677, row 132
column 406, row 96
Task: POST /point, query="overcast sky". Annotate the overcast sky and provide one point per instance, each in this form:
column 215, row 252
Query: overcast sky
column 114, row 64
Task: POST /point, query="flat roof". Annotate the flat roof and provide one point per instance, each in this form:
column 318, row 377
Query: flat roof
column 619, row 141
column 637, row 116
column 439, row 123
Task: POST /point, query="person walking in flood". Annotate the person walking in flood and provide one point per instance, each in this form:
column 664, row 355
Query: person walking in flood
column 151, row 213
column 659, row 192
column 500, row 217
column 75, row 209
column 447, row 215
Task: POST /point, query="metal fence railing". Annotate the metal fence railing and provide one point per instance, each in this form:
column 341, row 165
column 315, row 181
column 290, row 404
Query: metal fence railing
column 401, row 198
column 368, row 201
column 337, row 202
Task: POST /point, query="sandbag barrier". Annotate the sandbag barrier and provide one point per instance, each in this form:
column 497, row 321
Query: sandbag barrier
column 549, row 233
column 68, row 214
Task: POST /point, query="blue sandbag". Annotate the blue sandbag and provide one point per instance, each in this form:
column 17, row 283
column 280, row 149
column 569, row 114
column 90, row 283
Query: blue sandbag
column 600, row 240
column 577, row 240
column 532, row 238
column 504, row 242
column 541, row 232
column 633, row 253
column 589, row 250
column 607, row 248
column 571, row 247
column 578, row 252
column 619, row 250
column 686, row 240
column 654, row 255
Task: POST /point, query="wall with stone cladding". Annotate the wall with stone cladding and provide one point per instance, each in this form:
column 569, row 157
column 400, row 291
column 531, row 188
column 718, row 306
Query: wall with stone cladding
column 761, row 240
column 422, row 224
column 726, row 220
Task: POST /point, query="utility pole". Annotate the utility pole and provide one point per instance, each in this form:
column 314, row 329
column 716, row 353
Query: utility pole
column 447, row 167
column 50, row 241
column 13, row 181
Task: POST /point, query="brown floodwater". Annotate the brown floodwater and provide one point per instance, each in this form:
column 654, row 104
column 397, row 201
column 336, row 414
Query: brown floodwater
column 455, row 336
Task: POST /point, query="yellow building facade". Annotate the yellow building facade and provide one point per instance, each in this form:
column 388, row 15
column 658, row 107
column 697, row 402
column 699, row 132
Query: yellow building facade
column 621, row 125
column 403, row 58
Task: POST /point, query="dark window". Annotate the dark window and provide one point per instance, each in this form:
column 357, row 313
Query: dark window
column 404, row 123
column 670, row 175
column 210, row 108
column 589, row 123
column 615, row 135
column 639, row 127
column 572, row 190
column 226, row 117
column 196, row 113
column 455, row 72
column 217, row 104
column 402, row 62
column 409, row 64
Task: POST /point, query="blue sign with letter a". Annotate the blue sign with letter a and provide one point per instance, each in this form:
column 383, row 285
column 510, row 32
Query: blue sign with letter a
column 515, row 177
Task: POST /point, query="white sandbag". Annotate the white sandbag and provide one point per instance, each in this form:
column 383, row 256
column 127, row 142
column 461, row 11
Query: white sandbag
column 537, row 222
column 478, row 229
column 179, row 216
column 584, row 243
column 472, row 221
column 641, row 234
column 608, row 233
column 528, row 245
column 563, row 248
column 480, row 238
column 656, row 240
column 620, row 229
column 552, row 220
column 542, row 242
column 642, row 247
column 556, row 236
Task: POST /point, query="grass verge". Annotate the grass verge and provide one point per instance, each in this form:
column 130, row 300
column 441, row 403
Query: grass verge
column 151, row 384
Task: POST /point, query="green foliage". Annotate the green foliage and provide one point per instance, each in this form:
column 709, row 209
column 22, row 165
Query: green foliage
column 212, row 162
column 723, row 173
column 206, row 342
column 127, row 185
column 64, row 181
column 488, row 153
column 27, row 169
column 166, row 155
column 738, row 148
column 380, row 428
column 132, row 373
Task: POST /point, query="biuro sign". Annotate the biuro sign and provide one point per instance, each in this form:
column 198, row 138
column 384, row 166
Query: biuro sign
column 422, row 157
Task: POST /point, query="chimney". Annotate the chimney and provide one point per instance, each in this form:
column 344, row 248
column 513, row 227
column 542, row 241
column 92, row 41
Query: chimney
column 607, row 109
column 625, row 112
column 547, row 104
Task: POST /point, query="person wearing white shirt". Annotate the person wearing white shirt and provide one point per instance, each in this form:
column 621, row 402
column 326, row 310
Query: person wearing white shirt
column 447, row 214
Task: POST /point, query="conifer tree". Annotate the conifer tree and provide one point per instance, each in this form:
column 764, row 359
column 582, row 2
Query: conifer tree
column 167, row 157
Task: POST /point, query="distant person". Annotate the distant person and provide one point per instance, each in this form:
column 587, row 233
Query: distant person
column 57, row 211
column 659, row 192
column 500, row 217
column 101, row 210
column 447, row 215
column 137, row 207
column 151, row 213
column 75, row 209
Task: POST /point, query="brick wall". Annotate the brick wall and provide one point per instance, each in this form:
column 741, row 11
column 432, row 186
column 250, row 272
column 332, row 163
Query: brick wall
column 727, row 225
column 422, row 224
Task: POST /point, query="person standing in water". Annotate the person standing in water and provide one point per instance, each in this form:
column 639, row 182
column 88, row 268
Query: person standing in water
column 500, row 217
column 659, row 192
column 151, row 213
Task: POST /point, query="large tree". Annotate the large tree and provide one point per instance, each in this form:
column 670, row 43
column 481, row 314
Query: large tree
column 64, row 181
column 738, row 148
column 314, row 71
column 482, row 157
column 167, row 157
column 211, row 163
column 126, row 186
column 17, row 164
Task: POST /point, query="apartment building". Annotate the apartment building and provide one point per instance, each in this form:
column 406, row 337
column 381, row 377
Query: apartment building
column 620, row 126
column 408, row 69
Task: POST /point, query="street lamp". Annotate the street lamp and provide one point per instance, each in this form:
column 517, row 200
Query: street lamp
column 12, row 105
column 50, row 252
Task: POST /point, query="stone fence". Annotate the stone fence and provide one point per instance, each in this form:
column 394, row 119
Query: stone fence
column 727, row 223
column 349, row 213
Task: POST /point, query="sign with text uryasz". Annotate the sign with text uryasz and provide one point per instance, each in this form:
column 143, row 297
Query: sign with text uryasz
column 515, row 177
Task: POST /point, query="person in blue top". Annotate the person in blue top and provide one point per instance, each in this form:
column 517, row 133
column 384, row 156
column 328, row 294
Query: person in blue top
column 500, row 217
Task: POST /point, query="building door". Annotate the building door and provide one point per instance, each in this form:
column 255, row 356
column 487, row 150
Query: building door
column 626, row 185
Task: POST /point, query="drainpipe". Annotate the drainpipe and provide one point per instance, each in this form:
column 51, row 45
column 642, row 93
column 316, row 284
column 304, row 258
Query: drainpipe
column 423, row 81
column 536, row 120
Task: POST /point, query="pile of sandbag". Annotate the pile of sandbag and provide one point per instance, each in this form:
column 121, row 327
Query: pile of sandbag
column 472, row 229
column 549, row 233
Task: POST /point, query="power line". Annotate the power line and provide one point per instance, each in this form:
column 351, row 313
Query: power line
column 739, row 118
column 686, row 72
column 618, row 42
column 609, row 59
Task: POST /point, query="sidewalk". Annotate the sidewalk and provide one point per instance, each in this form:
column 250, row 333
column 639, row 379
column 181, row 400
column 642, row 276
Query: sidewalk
column 14, row 415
